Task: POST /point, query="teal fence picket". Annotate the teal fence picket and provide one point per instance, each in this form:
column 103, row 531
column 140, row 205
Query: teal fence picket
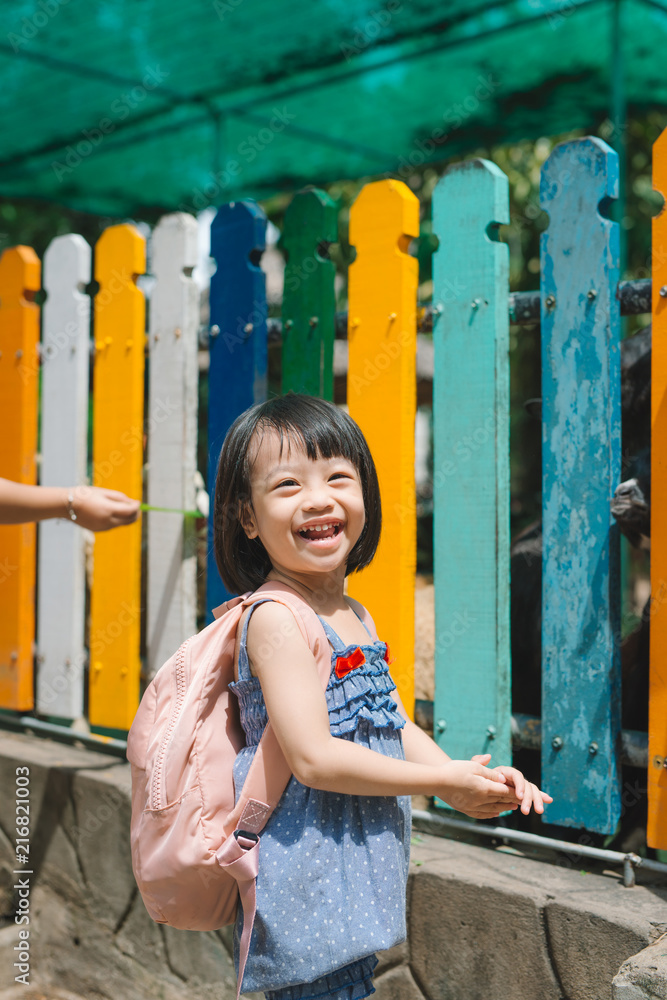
column 471, row 463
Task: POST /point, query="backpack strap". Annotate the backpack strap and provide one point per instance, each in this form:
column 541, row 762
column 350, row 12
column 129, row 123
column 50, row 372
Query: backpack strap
column 268, row 775
column 365, row 616
column 269, row 772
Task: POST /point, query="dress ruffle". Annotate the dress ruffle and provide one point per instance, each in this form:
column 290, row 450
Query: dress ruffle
column 363, row 693
column 352, row 982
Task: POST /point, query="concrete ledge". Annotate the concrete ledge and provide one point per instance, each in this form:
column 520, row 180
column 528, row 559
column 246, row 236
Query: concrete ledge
column 490, row 923
column 482, row 923
column 644, row 976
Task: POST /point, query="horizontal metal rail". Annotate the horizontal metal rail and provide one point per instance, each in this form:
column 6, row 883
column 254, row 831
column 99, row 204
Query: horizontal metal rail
column 63, row 734
column 635, row 298
column 527, row 734
column 524, row 308
column 443, row 826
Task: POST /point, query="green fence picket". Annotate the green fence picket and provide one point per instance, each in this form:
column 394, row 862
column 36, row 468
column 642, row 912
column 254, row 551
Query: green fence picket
column 309, row 301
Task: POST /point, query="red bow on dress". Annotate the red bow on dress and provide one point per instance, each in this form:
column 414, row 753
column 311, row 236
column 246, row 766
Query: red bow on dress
column 345, row 664
column 386, row 655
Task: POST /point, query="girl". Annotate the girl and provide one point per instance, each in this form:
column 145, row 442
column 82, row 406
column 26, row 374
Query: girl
column 297, row 501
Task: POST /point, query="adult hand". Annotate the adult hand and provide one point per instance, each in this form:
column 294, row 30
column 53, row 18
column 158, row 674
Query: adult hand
column 100, row 509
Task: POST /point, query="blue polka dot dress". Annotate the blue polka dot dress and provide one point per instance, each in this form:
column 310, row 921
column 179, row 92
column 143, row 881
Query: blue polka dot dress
column 333, row 868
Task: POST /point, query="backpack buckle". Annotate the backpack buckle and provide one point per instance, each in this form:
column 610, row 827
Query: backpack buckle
column 247, row 835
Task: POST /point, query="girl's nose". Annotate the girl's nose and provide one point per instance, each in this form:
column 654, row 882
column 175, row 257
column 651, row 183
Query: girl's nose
column 319, row 497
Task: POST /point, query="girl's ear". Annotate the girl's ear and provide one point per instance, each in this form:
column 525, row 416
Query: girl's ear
column 247, row 519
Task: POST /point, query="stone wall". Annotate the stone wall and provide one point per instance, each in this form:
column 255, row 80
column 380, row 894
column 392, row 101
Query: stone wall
column 484, row 924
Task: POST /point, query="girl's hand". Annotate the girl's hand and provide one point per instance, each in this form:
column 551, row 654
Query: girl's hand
column 476, row 790
column 527, row 793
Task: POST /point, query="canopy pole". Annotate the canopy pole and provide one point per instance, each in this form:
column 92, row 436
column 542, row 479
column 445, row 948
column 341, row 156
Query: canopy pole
column 618, row 112
column 619, row 126
column 218, row 120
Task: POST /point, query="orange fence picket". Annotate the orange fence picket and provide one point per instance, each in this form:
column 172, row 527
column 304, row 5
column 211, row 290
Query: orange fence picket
column 657, row 722
column 20, row 273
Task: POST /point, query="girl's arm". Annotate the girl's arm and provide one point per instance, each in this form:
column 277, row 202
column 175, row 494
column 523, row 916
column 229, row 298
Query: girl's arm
column 420, row 748
column 296, row 706
column 418, row 745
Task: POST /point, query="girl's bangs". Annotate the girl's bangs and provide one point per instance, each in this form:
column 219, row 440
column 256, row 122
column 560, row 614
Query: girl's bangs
column 319, row 437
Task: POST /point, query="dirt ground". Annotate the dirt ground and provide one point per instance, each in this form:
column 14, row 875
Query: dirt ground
column 424, row 637
column 425, row 628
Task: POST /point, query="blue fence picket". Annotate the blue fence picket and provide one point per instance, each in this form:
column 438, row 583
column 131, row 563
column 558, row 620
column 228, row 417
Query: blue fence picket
column 238, row 347
column 581, row 465
column 471, row 463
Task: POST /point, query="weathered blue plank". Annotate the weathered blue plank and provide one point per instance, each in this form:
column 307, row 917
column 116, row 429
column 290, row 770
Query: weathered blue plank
column 238, row 347
column 581, row 465
column 471, row 463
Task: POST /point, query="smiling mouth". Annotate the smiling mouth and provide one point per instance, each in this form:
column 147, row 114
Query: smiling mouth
column 321, row 532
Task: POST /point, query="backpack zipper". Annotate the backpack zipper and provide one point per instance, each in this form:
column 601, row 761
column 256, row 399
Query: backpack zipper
column 179, row 671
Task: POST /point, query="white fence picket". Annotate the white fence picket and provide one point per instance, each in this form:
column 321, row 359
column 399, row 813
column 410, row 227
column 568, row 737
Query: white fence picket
column 61, row 584
column 172, row 438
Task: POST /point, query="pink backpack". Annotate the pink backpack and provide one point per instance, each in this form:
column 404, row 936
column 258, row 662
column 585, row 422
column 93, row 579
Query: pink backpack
column 194, row 852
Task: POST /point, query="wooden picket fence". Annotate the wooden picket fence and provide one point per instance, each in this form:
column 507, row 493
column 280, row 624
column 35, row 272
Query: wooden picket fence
column 580, row 329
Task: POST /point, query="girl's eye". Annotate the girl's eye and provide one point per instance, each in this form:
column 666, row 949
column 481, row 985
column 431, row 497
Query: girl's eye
column 343, row 474
column 287, row 482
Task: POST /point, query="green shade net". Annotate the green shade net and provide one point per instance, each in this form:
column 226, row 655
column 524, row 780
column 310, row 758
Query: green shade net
column 112, row 106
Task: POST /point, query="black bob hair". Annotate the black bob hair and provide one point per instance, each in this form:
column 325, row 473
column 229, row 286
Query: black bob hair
column 325, row 431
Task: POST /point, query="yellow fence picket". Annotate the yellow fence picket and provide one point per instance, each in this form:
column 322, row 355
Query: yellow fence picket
column 382, row 398
column 656, row 835
column 19, row 365
column 118, row 411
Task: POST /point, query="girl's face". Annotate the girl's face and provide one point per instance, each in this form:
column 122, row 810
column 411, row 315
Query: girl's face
column 308, row 513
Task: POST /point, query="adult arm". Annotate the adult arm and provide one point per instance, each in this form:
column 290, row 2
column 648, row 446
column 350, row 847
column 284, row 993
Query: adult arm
column 95, row 507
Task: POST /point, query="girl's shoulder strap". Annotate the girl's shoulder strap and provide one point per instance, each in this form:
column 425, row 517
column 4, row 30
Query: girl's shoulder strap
column 365, row 615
